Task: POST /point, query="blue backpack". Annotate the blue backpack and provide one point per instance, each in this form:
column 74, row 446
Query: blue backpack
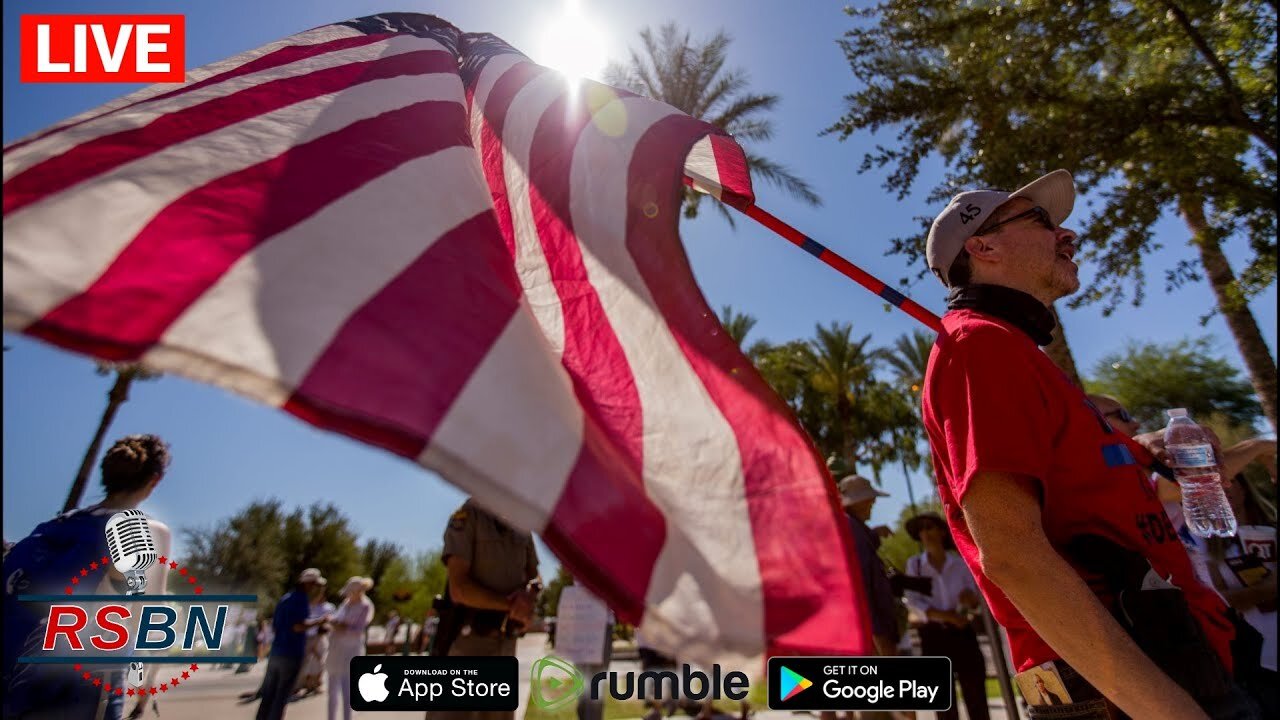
column 42, row 564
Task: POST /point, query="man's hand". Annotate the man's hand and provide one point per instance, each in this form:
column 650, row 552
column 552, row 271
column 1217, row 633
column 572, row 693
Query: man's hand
column 520, row 606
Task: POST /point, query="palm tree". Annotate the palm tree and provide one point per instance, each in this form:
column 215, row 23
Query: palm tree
column 909, row 358
column 691, row 77
column 126, row 373
column 837, row 368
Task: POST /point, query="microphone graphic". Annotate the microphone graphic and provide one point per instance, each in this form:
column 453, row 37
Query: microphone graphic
column 133, row 552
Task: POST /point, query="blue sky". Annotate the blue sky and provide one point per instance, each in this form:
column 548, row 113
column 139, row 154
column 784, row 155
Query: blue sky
column 228, row 451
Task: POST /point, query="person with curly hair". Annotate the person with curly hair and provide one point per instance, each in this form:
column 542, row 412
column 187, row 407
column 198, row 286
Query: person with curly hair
column 40, row 563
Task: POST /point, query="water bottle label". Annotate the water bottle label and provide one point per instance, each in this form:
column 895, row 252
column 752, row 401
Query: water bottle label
column 1192, row 455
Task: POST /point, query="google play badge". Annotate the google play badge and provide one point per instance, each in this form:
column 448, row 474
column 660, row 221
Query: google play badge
column 793, row 683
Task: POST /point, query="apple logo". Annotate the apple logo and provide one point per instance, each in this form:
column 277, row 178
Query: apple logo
column 373, row 686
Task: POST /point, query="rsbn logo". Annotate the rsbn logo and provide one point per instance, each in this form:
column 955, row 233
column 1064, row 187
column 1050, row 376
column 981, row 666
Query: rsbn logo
column 102, row 48
column 549, row 692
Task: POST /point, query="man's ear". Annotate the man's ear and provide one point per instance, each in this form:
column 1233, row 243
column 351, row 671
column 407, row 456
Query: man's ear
column 980, row 246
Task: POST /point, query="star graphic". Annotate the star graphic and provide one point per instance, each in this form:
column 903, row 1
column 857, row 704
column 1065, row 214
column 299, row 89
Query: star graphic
column 97, row 682
column 194, row 667
column 153, row 690
column 83, row 572
column 77, row 667
column 86, row 676
column 164, row 687
column 107, row 687
column 75, row 581
column 191, row 579
column 93, row 565
column 185, row 675
column 105, row 560
column 69, row 590
column 130, row 692
column 199, row 590
column 173, row 682
column 163, row 559
column 120, row 691
column 183, row 571
column 173, row 566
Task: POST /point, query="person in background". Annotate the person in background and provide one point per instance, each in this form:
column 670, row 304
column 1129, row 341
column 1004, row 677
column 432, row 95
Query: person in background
column 38, row 564
column 858, row 496
column 389, row 631
column 349, row 622
column 428, row 630
column 943, row 617
column 290, row 624
column 493, row 582
column 311, row 676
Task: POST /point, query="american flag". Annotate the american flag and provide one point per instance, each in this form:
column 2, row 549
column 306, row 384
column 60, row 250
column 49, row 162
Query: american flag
column 419, row 238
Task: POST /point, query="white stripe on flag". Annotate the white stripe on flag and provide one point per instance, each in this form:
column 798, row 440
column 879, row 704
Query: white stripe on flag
column 515, row 460
column 705, row 594
column 531, row 101
column 277, row 309
column 51, row 254
column 493, row 70
column 700, row 166
column 143, row 115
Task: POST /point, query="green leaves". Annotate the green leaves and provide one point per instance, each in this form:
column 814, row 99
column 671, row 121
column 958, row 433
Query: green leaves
column 690, row 75
column 1149, row 378
column 1146, row 102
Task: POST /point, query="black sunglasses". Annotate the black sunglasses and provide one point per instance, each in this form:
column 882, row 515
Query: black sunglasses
column 1040, row 214
column 1120, row 414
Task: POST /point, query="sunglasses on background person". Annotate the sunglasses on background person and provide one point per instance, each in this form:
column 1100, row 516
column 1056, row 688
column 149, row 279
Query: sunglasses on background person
column 1120, row 414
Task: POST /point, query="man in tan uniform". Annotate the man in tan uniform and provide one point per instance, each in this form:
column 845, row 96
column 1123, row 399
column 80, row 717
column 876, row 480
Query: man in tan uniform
column 490, row 567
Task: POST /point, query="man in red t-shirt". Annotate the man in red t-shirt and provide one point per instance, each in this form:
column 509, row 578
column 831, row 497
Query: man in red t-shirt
column 1042, row 495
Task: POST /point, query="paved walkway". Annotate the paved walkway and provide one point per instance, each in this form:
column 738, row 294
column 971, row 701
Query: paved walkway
column 214, row 693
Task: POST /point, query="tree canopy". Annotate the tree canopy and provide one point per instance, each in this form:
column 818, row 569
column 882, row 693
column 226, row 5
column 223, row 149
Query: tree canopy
column 1156, row 106
column 1149, row 378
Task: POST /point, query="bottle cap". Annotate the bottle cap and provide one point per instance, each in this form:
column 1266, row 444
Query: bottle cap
column 1177, row 412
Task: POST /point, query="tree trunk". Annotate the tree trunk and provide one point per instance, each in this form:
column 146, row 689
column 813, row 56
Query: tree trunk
column 1059, row 352
column 1257, row 356
column 117, row 397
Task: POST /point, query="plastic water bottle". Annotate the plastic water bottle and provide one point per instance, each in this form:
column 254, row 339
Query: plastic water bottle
column 1204, row 504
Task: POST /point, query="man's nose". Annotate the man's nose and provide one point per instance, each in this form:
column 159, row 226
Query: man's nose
column 1066, row 235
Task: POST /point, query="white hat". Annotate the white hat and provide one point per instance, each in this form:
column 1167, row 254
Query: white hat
column 854, row 489
column 966, row 213
column 312, row 575
column 355, row 581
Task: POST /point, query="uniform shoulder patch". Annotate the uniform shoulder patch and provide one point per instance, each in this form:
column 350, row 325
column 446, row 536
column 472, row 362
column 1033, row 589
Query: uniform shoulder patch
column 458, row 519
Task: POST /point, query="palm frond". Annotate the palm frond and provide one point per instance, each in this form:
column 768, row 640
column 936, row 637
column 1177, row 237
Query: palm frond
column 777, row 175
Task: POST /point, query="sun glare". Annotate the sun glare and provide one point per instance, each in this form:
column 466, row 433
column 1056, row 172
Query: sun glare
column 573, row 44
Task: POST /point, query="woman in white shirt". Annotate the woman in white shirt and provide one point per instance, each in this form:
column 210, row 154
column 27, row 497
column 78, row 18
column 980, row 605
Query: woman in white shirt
column 942, row 617
column 347, row 641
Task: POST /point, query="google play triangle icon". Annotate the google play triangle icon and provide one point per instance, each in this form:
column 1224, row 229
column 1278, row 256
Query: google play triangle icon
column 792, row 683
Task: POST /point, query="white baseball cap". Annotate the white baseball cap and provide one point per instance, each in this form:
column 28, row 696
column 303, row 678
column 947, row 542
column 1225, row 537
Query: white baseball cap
column 1055, row 192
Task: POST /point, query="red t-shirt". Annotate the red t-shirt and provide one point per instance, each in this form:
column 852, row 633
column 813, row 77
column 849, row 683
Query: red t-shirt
column 993, row 402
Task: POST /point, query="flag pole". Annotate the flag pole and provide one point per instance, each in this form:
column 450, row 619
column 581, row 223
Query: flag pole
column 896, row 299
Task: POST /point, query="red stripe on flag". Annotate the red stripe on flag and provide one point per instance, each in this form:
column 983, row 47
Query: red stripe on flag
column 735, row 179
column 604, row 527
column 811, row 602
column 494, row 113
column 283, row 56
column 191, row 243
column 391, row 373
column 601, row 375
column 103, row 154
